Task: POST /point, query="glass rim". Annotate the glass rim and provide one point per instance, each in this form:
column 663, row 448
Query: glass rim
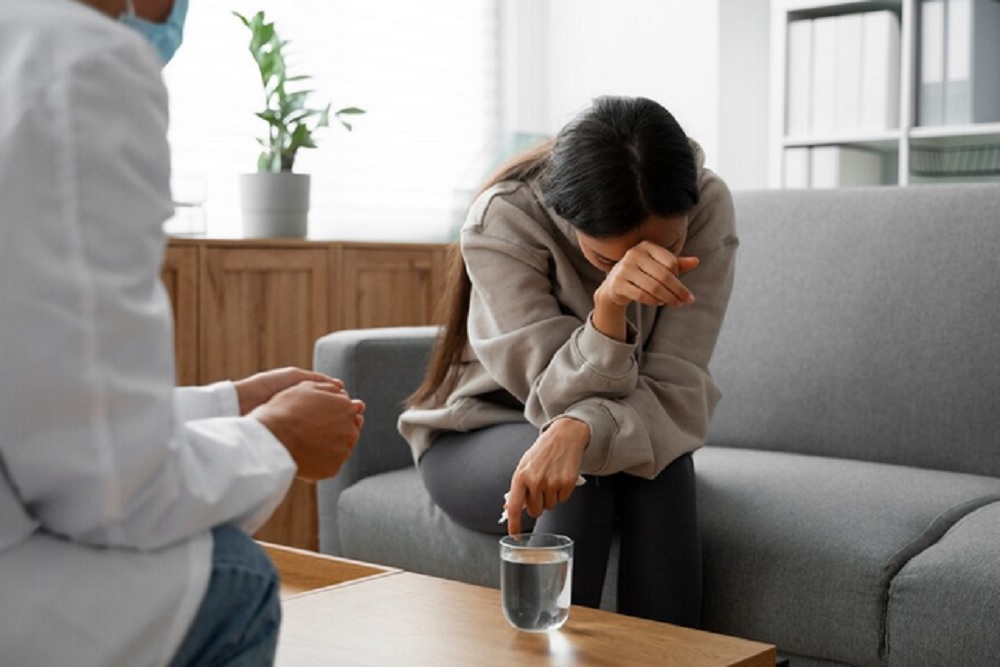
column 521, row 541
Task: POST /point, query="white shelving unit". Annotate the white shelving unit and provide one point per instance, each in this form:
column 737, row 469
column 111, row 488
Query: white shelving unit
column 896, row 145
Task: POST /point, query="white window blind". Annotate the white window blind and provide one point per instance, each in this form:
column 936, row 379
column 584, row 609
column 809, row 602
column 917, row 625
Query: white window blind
column 427, row 73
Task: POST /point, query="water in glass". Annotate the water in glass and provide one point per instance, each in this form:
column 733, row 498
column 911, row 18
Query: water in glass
column 536, row 588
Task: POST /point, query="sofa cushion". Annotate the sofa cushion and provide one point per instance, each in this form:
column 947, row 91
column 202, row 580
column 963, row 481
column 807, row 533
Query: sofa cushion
column 387, row 519
column 944, row 605
column 390, row 519
column 382, row 366
column 863, row 324
column 800, row 550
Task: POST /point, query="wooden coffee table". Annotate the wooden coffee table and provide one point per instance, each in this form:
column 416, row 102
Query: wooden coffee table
column 341, row 612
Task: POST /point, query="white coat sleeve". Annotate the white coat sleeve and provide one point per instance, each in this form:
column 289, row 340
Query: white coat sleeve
column 218, row 399
column 92, row 439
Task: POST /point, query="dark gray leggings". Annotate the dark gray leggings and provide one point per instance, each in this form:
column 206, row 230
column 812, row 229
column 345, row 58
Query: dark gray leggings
column 659, row 573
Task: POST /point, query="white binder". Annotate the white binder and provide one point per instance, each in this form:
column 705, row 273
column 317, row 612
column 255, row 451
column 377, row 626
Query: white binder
column 825, row 79
column 930, row 94
column 850, row 31
column 842, row 167
column 796, row 168
column 880, row 72
column 799, row 97
column 972, row 62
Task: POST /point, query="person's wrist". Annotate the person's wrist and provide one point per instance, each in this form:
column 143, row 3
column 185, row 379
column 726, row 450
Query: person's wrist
column 604, row 301
column 574, row 431
column 275, row 420
column 246, row 396
column 609, row 317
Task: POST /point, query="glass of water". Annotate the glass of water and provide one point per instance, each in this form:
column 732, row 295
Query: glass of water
column 536, row 580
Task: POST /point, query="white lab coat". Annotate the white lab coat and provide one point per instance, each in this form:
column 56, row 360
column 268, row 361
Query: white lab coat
column 110, row 479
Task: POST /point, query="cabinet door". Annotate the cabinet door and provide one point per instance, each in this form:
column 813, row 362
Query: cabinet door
column 386, row 286
column 261, row 308
column 180, row 277
column 264, row 308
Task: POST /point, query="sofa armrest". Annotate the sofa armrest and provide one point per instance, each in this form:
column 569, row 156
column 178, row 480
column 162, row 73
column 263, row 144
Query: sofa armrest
column 382, row 367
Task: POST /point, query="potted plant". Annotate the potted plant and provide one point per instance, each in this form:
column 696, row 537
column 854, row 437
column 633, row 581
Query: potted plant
column 275, row 200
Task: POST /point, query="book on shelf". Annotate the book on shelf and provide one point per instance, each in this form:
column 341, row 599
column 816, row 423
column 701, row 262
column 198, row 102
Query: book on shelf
column 850, row 52
column 959, row 56
column 972, row 62
column 843, row 166
column 824, row 76
column 843, row 74
column 958, row 62
column 831, row 167
column 930, row 93
column 796, row 171
column 880, row 71
column 799, row 85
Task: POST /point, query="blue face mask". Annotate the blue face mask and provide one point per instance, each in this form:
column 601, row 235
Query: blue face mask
column 165, row 37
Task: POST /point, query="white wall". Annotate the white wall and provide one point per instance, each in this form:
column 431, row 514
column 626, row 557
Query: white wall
column 524, row 67
column 560, row 54
column 744, row 76
column 705, row 61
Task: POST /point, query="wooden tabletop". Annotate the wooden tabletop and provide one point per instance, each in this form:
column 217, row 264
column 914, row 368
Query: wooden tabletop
column 307, row 572
column 401, row 618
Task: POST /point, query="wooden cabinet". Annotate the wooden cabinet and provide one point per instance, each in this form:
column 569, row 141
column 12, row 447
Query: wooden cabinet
column 242, row 306
column 262, row 308
column 389, row 287
column 180, row 277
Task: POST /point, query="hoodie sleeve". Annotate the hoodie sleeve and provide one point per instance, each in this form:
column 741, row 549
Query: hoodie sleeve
column 668, row 413
column 516, row 314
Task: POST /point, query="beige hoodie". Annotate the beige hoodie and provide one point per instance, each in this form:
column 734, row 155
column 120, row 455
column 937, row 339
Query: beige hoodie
column 647, row 400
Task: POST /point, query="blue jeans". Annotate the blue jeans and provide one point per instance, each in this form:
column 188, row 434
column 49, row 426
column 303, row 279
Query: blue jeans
column 237, row 623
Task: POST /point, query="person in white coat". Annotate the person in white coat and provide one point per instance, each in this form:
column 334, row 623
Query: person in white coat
column 125, row 503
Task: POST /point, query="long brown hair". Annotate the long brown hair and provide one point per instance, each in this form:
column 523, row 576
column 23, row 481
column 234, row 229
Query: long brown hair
column 453, row 308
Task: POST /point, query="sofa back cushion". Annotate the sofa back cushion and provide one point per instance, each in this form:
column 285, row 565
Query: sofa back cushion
column 382, row 366
column 865, row 323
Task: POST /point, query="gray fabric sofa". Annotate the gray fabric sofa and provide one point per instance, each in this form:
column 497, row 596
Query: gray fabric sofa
column 849, row 494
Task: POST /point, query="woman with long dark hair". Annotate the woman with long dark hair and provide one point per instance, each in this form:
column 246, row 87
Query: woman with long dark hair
column 586, row 296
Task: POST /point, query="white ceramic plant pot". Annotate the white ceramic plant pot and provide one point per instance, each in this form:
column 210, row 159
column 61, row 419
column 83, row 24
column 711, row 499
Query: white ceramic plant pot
column 275, row 204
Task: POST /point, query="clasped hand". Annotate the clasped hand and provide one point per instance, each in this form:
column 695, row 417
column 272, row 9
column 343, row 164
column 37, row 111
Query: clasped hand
column 310, row 413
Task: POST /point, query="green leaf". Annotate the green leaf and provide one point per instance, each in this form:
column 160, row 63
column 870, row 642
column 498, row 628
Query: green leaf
column 264, row 162
column 324, row 119
column 266, row 33
column 294, row 101
column 302, row 118
column 271, row 118
column 290, row 120
column 302, row 137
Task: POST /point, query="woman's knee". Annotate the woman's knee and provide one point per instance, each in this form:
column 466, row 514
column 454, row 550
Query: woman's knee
column 466, row 474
